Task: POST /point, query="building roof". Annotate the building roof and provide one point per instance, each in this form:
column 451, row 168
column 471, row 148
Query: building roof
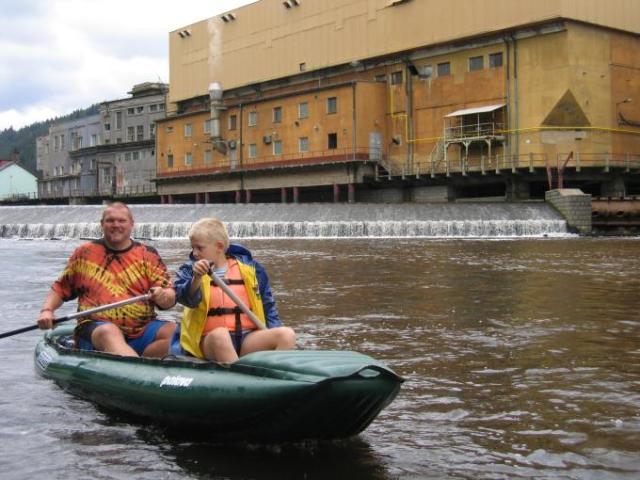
column 267, row 40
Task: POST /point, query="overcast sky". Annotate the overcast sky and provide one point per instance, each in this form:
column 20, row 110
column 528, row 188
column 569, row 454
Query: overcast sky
column 57, row 56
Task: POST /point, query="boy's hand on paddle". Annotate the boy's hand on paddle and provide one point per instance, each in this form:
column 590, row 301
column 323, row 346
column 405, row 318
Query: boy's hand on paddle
column 200, row 268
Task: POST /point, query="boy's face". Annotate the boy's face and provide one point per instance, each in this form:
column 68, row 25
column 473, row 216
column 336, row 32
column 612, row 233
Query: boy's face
column 206, row 249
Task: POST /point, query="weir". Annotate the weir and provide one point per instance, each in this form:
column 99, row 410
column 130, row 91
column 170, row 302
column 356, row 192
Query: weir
column 296, row 220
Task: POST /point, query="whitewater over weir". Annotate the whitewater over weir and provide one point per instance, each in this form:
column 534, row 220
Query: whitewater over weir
column 296, row 220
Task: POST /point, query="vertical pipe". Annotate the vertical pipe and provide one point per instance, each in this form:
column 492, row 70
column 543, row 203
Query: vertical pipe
column 409, row 95
column 354, row 120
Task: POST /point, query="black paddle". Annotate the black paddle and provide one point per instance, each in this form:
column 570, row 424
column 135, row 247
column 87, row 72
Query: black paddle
column 83, row 313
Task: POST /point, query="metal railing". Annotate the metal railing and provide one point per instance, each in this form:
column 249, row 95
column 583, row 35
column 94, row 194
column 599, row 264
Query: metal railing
column 478, row 130
column 500, row 163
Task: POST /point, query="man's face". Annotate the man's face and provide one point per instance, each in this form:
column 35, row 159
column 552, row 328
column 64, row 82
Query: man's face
column 116, row 227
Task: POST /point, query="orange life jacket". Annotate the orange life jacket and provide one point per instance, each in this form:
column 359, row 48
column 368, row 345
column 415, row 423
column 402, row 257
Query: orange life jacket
column 223, row 312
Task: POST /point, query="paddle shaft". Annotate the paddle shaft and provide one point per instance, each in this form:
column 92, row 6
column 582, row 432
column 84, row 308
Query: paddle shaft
column 225, row 288
column 83, row 313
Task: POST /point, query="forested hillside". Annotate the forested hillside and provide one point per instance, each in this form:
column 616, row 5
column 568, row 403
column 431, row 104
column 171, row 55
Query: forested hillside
column 24, row 140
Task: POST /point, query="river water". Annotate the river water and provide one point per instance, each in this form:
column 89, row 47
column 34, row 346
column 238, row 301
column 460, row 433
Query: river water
column 521, row 359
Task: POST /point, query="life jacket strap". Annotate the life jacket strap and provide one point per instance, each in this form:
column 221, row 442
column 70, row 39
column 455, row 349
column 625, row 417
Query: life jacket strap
column 233, row 281
column 224, row 311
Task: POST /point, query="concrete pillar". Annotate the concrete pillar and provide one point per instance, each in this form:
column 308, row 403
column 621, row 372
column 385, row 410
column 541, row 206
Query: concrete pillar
column 336, row 193
column 170, row 199
column 283, row 195
column 574, row 206
column 206, row 197
column 247, row 196
column 351, row 193
column 238, row 196
column 162, row 199
column 296, row 194
column 197, row 197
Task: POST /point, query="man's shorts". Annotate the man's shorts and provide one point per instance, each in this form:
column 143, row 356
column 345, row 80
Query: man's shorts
column 83, row 335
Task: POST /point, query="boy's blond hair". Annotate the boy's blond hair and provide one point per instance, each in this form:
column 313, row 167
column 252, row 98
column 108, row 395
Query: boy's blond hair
column 210, row 229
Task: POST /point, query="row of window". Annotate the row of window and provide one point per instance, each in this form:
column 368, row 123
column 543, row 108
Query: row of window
column 140, row 109
column 276, row 113
column 276, row 117
column 76, row 141
column 76, row 167
column 443, row 69
column 252, row 150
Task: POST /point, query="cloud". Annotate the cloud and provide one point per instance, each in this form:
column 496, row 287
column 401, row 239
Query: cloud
column 62, row 55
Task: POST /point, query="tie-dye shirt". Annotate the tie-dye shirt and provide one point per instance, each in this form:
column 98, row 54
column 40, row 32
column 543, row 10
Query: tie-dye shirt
column 97, row 275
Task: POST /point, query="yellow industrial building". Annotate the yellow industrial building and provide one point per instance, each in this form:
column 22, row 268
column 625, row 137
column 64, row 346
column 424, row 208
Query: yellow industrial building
column 403, row 100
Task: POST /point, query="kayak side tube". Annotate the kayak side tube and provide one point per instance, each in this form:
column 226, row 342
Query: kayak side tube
column 274, row 395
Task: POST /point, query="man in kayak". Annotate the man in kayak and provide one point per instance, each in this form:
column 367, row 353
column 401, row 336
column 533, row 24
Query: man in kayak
column 109, row 270
column 213, row 324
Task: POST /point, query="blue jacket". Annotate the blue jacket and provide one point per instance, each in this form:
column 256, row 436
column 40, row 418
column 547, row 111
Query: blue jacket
column 184, row 276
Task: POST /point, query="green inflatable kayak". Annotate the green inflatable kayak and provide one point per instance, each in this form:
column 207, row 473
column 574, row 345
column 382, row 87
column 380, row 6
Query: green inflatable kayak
column 268, row 396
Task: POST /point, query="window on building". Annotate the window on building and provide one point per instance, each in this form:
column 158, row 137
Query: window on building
column 130, row 133
column 476, row 63
column 396, row 78
column 62, row 142
column 206, row 127
column 168, row 129
column 277, row 114
column 131, row 111
column 140, row 133
column 332, row 141
column 135, row 156
column 94, row 140
column 107, row 127
column 152, row 130
column 140, row 109
column 495, row 60
column 303, row 110
column 153, row 107
column 380, row 78
column 161, row 106
column 253, row 150
column 332, row 105
column 233, row 122
column 303, row 144
column 188, row 160
column 277, row 147
column 208, row 157
column 302, row 66
column 187, row 130
column 253, row 118
column 118, row 120
column 170, row 160
column 127, row 157
column 79, row 142
column 92, row 165
column 444, row 69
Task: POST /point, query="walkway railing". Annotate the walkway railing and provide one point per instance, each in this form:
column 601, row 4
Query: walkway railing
column 516, row 163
